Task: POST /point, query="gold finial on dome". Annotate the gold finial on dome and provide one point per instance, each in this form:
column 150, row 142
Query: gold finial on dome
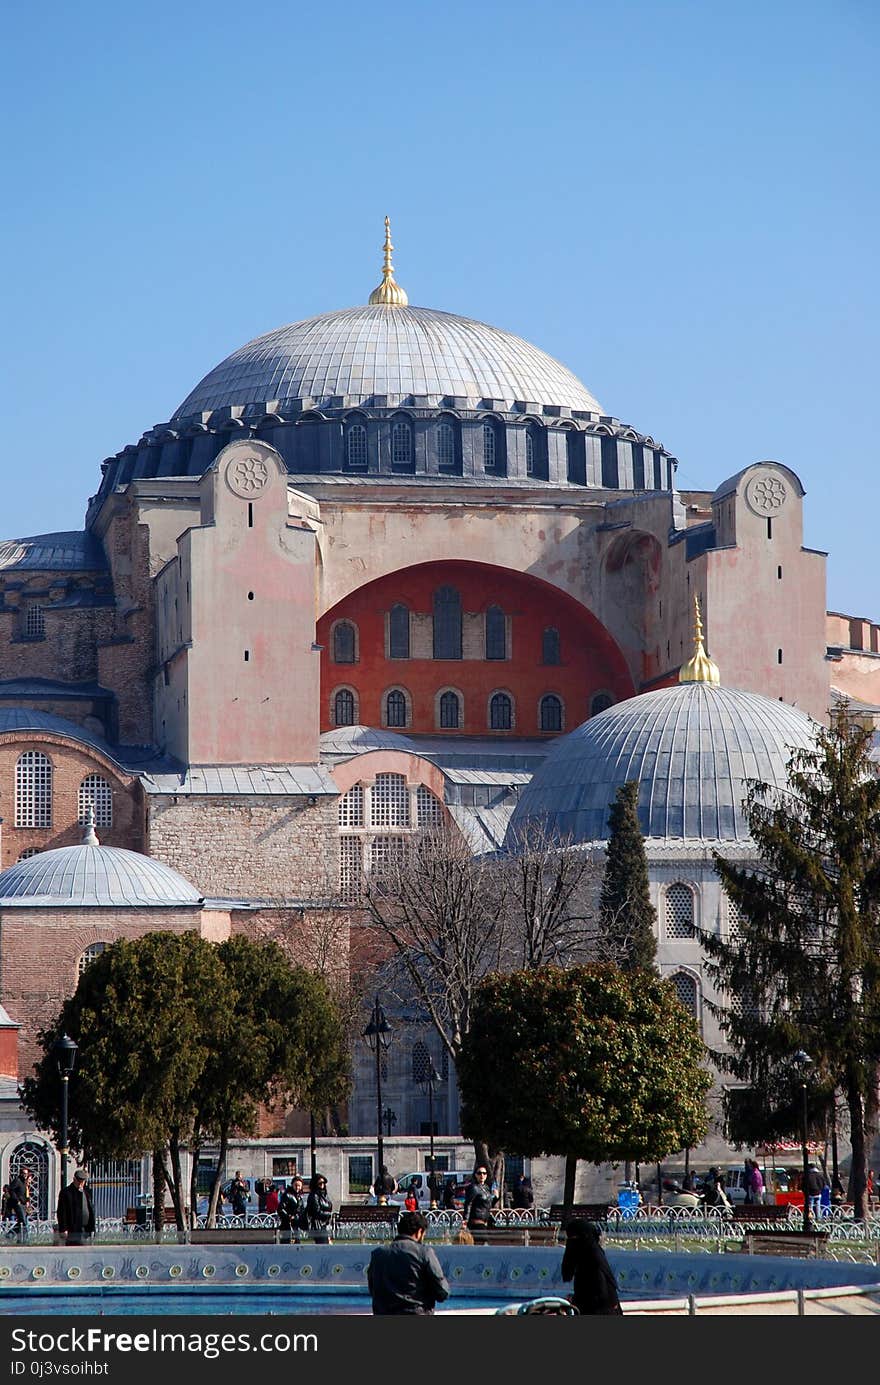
column 388, row 294
column 699, row 669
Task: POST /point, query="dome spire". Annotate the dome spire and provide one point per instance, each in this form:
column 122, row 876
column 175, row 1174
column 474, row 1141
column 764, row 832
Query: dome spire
column 90, row 837
column 388, row 294
column 699, row 669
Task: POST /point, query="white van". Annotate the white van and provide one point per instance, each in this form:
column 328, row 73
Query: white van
column 418, row 1182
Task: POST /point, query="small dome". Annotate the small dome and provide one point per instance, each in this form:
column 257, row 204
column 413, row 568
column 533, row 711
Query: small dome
column 347, row 741
column 94, row 877
column 357, row 353
column 692, row 749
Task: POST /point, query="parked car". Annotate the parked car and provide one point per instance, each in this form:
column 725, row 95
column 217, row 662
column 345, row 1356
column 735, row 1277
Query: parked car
column 775, row 1180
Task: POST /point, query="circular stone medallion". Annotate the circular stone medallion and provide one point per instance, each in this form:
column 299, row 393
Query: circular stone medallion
column 247, row 476
column 766, row 493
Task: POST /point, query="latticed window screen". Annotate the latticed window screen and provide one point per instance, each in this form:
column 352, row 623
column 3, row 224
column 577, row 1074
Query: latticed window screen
column 92, row 951
column 421, row 1062
column 34, row 624
column 551, row 713
column 489, row 455
column 350, row 868
column 31, row 851
column 550, row 652
column 401, row 445
column 398, row 632
column 679, row 912
column 356, row 447
column 343, row 708
column 351, row 807
column 33, row 790
column 387, row 855
column 686, row 987
column 450, row 711
column 734, row 922
column 429, row 809
column 395, row 709
column 95, row 793
column 447, row 623
column 500, row 712
column 745, row 1003
column 496, row 633
column 446, row 447
column 530, row 455
column 390, row 800
column 344, row 643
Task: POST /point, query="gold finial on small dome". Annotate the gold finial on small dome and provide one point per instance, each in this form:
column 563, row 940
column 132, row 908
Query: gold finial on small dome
column 699, row 669
column 388, row 294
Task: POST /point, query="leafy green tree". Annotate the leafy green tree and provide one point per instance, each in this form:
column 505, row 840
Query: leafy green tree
column 627, row 918
column 588, row 1062
column 803, row 973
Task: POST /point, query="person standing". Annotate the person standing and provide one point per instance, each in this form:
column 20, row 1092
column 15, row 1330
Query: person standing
column 813, row 1190
column 405, row 1277
column 271, row 1206
column 585, row 1265
column 292, row 1210
column 523, row 1195
column 238, row 1195
column 76, row 1210
column 478, row 1204
column 447, row 1201
column 319, row 1210
column 20, row 1202
column 755, row 1183
column 411, row 1202
column 385, row 1186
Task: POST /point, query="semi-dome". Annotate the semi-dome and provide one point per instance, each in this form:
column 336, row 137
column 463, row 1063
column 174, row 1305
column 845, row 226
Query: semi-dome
column 692, row 749
column 383, row 349
column 89, row 876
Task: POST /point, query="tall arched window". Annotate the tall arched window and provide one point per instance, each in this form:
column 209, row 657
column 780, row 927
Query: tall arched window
column 550, row 650
column 447, row 460
column 530, row 455
column 33, row 790
column 450, row 711
column 421, row 1062
column 390, row 800
column 551, row 713
column 447, row 623
column 500, row 712
column 351, row 807
column 395, row 708
column 679, row 912
column 344, row 644
column 496, row 633
column 429, row 809
column 344, row 708
column 401, row 446
column 600, row 703
column 398, row 632
column 92, row 951
column 356, row 447
column 95, row 793
column 490, row 452
column 688, row 994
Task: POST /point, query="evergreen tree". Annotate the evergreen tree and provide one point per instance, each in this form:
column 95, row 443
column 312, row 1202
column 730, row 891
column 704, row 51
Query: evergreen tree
column 803, row 972
column 627, row 918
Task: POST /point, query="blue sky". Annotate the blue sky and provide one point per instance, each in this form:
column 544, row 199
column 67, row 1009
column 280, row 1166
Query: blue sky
column 678, row 200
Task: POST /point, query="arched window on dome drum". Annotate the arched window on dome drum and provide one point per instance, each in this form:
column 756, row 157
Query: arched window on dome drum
column 395, row 709
column 500, row 712
column 401, row 446
column 33, row 790
column 688, row 993
column 343, row 643
column 398, row 632
column 600, row 703
column 536, row 452
column 355, row 447
column 450, row 711
column 490, row 458
column 95, row 793
column 679, row 912
column 447, row 452
column 496, row 633
column 447, row 623
column 92, row 951
column 550, row 648
column 576, row 456
column 343, row 708
column 551, row 713
column 530, row 455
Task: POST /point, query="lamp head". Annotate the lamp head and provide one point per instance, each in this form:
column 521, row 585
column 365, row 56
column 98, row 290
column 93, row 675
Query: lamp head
column 65, row 1050
column 378, row 1031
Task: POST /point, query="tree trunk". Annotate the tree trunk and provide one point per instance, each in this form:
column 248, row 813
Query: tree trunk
column 211, row 1219
column 569, row 1186
column 858, row 1175
column 176, row 1184
column 158, row 1193
column 195, row 1149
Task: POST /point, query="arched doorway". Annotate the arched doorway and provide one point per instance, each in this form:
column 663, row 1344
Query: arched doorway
column 33, row 1156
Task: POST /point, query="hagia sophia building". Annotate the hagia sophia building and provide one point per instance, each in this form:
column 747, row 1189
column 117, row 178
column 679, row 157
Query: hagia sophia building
column 380, row 567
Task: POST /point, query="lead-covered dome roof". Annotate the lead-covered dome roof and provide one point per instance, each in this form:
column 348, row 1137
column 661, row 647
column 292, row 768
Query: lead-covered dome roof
column 94, row 877
column 358, row 353
column 692, row 749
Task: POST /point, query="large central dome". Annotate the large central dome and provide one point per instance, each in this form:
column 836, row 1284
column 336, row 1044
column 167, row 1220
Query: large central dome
column 358, row 353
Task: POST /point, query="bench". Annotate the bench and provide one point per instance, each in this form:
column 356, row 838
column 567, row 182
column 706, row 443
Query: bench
column 592, row 1211
column 745, row 1211
column 516, row 1236
column 365, row 1215
column 143, row 1216
column 800, row 1245
column 232, row 1236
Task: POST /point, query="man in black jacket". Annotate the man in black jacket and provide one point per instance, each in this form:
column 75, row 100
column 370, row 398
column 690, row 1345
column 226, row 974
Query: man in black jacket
column 76, row 1210
column 405, row 1276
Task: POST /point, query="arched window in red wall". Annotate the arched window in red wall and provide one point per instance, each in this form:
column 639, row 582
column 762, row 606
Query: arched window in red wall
column 500, row 712
column 447, row 623
column 344, row 643
column 395, row 708
column 450, row 711
column 398, row 632
column 344, row 708
column 600, row 703
column 496, row 633
column 550, row 647
column 551, row 713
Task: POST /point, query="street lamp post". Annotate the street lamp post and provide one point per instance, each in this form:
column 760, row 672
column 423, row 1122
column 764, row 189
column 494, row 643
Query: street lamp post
column 65, row 1056
column 803, row 1064
column 428, row 1082
column 378, row 1036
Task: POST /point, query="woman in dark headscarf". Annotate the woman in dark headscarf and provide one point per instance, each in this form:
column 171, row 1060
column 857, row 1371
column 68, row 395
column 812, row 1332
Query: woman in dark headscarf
column 585, row 1263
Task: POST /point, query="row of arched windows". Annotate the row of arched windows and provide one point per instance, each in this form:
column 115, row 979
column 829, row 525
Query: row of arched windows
column 448, row 710
column 492, row 447
column 447, row 633
column 34, row 792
